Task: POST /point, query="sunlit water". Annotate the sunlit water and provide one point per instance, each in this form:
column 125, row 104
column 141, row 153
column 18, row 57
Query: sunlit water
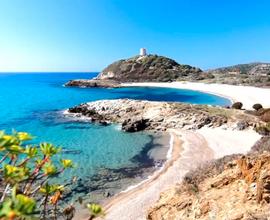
column 33, row 103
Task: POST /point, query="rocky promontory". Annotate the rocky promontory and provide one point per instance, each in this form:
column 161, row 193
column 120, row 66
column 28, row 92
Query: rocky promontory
column 84, row 83
column 148, row 68
column 136, row 115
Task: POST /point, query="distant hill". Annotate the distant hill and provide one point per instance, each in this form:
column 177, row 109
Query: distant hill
column 154, row 68
column 249, row 69
column 252, row 74
column 149, row 68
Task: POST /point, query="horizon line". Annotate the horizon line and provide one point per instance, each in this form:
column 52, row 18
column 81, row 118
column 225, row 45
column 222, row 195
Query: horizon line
column 49, row 72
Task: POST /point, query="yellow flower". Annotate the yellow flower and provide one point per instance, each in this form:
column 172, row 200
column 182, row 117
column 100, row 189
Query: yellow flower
column 15, row 149
column 24, row 136
column 49, row 169
column 7, row 137
column 67, row 163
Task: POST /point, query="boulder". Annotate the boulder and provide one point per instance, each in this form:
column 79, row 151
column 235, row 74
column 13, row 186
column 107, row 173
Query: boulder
column 133, row 125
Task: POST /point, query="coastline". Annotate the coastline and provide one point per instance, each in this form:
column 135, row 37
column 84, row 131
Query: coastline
column 190, row 149
column 193, row 148
column 248, row 95
column 160, row 150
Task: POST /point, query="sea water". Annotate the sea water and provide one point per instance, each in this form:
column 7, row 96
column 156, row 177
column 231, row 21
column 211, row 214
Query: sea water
column 33, row 102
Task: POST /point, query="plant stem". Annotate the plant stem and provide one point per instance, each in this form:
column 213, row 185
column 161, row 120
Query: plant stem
column 45, row 207
column 4, row 157
column 4, row 193
column 37, row 188
column 55, row 211
column 24, row 162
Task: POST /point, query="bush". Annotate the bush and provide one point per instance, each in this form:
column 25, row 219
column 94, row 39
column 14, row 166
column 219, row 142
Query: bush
column 207, row 170
column 26, row 170
column 237, row 105
column 263, row 129
column 25, row 175
column 257, row 106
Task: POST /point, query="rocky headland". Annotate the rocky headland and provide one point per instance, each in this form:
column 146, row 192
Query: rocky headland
column 136, row 115
column 149, row 68
column 154, row 68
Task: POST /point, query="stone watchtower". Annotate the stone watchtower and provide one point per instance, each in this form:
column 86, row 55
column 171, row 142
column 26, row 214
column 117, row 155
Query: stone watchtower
column 143, row 52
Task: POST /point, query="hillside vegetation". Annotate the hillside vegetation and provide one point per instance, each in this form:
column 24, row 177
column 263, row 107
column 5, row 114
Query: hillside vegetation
column 152, row 68
column 253, row 74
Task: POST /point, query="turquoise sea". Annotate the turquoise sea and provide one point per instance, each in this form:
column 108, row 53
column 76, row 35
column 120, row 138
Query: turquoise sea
column 33, row 102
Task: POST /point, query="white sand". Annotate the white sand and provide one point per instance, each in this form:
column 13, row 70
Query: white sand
column 199, row 146
column 226, row 142
column 246, row 94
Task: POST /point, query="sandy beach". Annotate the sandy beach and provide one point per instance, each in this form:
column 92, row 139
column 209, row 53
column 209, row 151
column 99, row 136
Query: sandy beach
column 246, row 94
column 190, row 148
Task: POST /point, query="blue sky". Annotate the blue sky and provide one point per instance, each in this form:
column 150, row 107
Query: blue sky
column 87, row 35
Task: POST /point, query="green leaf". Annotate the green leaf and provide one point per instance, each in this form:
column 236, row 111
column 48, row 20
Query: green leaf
column 49, row 169
column 95, row 209
column 48, row 149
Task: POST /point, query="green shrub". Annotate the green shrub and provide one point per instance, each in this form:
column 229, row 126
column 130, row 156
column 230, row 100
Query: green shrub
column 263, row 129
column 257, row 106
column 27, row 170
column 237, row 105
column 25, row 174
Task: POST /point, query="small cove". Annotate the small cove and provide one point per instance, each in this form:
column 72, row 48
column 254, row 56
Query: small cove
column 108, row 160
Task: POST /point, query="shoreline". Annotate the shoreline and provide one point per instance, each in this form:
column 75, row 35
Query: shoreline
column 151, row 176
column 135, row 203
column 164, row 142
column 248, row 95
column 198, row 147
column 174, row 152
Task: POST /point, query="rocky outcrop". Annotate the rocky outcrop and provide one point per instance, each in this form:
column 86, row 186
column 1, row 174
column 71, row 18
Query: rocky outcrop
column 133, row 125
column 234, row 189
column 84, row 83
column 135, row 115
